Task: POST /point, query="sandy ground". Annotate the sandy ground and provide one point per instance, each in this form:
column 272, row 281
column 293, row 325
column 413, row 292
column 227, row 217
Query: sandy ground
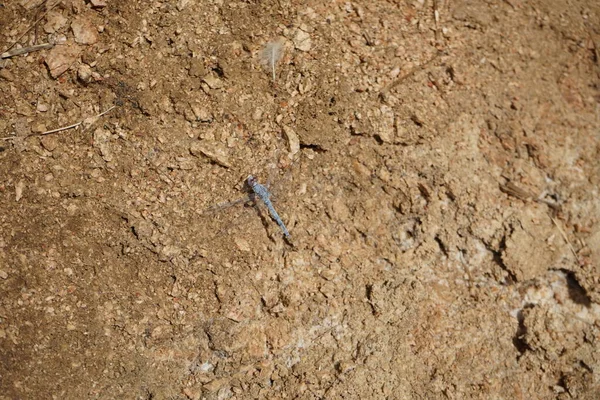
column 436, row 162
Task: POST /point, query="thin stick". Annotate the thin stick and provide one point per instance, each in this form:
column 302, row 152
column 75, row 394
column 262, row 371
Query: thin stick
column 596, row 51
column 513, row 190
column 64, row 128
column 71, row 126
column 436, row 19
column 566, row 239
column 510, row 4
column 410, row 73
column 24, row 50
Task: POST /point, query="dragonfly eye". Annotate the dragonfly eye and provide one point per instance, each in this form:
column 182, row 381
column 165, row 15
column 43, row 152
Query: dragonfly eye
column 251, row 180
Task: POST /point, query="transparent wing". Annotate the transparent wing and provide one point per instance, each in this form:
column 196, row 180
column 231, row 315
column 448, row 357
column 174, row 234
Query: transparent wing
column 224, row 205
column 226, row 217
column 278, row 184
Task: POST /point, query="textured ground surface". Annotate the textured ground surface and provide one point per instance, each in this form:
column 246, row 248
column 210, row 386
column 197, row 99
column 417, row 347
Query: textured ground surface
column 436, row 162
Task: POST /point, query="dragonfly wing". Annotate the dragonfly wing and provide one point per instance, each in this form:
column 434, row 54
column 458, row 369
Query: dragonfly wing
column 226, row 204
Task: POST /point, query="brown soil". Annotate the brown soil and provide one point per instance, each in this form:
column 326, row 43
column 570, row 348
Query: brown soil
column 437, row 164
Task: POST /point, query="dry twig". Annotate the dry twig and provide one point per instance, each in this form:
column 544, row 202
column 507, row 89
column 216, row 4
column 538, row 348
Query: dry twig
column 566, row 239
column 24, row 50
column 88, row 121
column 513, row 190
column 410, row 73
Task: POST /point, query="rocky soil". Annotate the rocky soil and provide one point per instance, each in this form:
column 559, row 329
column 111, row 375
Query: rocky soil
column 436, row 163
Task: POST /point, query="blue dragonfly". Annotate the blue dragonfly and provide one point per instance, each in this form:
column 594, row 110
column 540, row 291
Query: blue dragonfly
column 265, row 196
column 257, row 193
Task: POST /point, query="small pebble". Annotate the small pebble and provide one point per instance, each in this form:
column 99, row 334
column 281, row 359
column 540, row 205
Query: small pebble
column 84, row 31
column 242, row 244
column 60, row 58
column 98, row 3
column 19, row 190
column 38, row 127
column 84, row 73
column 54, row 22
column 201, row 113
column 49, row 142
column 302, row 41
column 213, row 82
column 257, row 114
column 215, row 154
column 6, row 75
column 292, row 138
column 181, row 4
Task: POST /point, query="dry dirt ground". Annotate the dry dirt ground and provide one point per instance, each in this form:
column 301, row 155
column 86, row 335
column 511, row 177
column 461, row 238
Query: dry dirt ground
column 436, row 162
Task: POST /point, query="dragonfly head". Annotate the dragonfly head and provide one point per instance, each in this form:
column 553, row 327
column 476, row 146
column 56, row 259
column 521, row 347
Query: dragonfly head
column 251, row 180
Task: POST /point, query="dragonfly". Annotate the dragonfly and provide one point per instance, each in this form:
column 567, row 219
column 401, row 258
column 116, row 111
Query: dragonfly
column 257, row 193
column 263, row 193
